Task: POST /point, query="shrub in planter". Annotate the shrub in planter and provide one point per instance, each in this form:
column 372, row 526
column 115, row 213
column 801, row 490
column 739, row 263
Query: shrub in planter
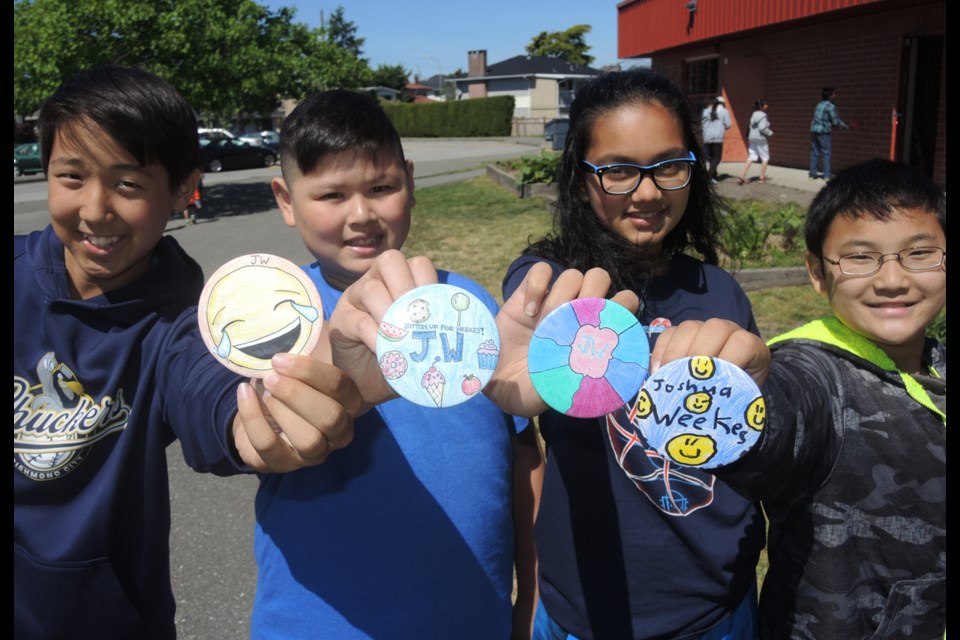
column 541, row 169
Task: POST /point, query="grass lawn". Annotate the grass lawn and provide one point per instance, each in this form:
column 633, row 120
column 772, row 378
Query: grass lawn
column 476, row 228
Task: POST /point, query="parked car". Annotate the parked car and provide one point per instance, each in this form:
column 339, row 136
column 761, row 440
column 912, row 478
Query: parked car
column 26, row 159
column 214, row 134
column 231, row 153
column 268, row 139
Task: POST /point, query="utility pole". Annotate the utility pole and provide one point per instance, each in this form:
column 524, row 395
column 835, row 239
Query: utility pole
column 440, row 75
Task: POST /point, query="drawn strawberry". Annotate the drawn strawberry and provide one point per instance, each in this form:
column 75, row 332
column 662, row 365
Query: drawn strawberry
column 470, row 385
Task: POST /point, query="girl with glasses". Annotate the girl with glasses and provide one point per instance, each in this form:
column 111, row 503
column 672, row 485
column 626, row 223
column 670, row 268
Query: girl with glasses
column 627, row 546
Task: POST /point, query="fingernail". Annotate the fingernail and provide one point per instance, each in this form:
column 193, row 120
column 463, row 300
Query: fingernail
column 271, row 378
column 531, row 309
column 281, row 361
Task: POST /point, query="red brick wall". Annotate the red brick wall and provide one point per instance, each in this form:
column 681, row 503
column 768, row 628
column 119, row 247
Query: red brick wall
column 859, row 57
column 940, row 159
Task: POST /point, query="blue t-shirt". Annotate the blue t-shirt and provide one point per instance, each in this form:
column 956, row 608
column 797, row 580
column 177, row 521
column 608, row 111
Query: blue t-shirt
column 662, row 552
column 405, row 533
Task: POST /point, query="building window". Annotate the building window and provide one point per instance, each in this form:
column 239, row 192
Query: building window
column 702, row 77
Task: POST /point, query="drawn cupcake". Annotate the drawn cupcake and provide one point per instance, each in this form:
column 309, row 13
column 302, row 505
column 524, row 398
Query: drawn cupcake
column 488, row 354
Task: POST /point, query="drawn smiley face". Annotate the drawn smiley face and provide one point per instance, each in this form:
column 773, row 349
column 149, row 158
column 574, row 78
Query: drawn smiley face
column 756, row 414
column 702, row 367
column 691, row 450
column 698, row 402
column 644, row 406
column 256, row 306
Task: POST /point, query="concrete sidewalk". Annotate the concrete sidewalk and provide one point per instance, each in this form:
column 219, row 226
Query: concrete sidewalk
column 783, row 184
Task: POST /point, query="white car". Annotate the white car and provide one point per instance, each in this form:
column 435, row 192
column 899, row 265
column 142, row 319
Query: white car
column 208, row 135
column 269, row 139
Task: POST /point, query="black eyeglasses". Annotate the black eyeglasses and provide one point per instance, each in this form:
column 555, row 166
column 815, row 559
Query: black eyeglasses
column 867, row 263
column 622, row 179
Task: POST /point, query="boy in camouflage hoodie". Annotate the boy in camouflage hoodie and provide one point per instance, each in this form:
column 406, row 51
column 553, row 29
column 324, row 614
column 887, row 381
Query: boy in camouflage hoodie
column 851, row 465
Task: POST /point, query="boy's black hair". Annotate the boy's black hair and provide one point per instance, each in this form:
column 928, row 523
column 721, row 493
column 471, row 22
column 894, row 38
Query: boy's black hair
column 579, row 239
column 332, row 122
column 826, row 93
column 759, row 104
column 875, row 188
column 143, row 114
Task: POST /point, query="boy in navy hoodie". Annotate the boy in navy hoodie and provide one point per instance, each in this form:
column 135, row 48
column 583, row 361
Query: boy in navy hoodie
column 109, row 368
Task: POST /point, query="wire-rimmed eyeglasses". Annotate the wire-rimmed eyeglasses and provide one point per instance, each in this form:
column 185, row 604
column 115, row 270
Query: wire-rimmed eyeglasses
column 622, row 179
column 867, row 263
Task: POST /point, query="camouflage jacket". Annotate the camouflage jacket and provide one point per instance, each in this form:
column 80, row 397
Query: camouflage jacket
column 851, row 470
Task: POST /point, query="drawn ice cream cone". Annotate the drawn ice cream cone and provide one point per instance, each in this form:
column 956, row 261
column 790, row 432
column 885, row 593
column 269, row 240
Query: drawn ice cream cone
column 434, row 382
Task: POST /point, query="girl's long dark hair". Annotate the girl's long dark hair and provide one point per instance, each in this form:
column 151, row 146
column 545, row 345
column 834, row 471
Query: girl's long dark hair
column 579, row 240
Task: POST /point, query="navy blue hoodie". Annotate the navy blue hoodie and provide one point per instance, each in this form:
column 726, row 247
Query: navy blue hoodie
column 100, row 388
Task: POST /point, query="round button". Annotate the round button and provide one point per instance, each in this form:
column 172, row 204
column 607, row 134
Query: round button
column 588, row 357
column 255, row 306
column 700, row 412
column 438, row 345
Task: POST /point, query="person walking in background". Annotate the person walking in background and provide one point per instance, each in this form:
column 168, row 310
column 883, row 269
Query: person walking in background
column 196, row 203
column 825, row 118
column 714, row 123
column 759, row 131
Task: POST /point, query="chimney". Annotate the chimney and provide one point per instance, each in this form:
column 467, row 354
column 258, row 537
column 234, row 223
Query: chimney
column 476, row 68
column 477, row 63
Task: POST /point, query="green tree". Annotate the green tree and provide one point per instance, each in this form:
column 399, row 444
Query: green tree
column 227, row 57
column 567, row 45
column 343, row 33
column 390, row 75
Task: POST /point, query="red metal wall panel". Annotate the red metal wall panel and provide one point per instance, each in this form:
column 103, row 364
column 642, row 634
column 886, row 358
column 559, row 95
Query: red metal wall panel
column 645, row 27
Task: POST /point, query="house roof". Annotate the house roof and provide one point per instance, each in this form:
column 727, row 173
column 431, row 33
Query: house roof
column 536, row 65
column 434, row 81
column 380, row 90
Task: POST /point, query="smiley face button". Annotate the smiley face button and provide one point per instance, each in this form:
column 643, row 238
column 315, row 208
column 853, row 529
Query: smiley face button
column 701, row 412
column 438, row 345
column 256, row 306
column 588, row 357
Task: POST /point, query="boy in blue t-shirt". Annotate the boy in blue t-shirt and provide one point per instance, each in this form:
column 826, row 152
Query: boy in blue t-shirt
column 109, row 368
column 414, row 529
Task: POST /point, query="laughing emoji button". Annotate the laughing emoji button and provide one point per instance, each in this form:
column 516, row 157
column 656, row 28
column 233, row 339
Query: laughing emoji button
column 256, row 306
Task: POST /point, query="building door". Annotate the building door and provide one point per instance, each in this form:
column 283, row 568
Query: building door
column 919, row 100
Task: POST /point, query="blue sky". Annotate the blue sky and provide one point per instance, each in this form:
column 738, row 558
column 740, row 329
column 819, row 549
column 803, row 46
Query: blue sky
column 431, row 36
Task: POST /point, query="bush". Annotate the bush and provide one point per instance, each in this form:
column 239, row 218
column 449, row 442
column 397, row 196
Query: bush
column 541, row 169
column 764, row 234
column 456, row 119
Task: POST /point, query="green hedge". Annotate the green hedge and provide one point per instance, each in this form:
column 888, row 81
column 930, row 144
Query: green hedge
column 461, row 118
